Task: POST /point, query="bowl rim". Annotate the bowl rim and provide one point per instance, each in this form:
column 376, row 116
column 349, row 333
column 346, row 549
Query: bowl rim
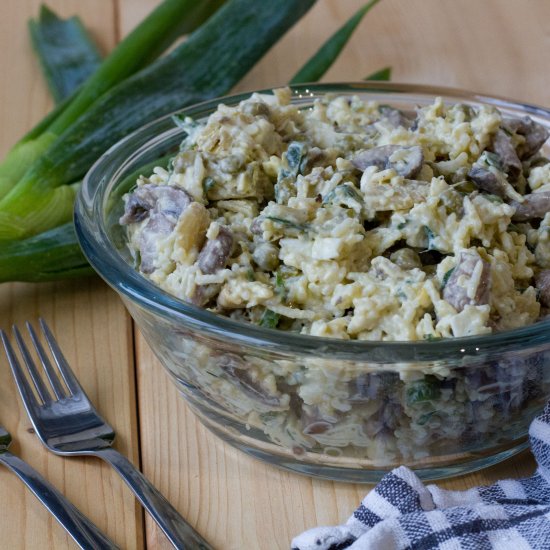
column 108, row 262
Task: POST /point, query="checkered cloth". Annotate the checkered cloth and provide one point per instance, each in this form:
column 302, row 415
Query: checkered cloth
column 401, row 513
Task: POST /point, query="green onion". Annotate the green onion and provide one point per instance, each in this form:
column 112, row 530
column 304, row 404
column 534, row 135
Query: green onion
column 56, row 254
column 269, row 319
column 426, row 389
column 208, row 64
column 65, row 50
column 156, row 30
column 383, row 74
column 430, row 237
column 319, row 64
column 52, row 255
column 446, row 277
column 347, row 190
column 288, row 223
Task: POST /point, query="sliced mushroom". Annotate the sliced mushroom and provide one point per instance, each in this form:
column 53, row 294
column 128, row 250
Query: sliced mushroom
column 166, row 199
column 216, row 252
column 534, row 205
column 203, row 294
column 158, row 225
column 488, row 175
column 487, row 180
column 542, row 282
column 161, row 206
column 457, row 291
column 502, row 145
column 535, row 135
column 237, row 372
column 406, row 161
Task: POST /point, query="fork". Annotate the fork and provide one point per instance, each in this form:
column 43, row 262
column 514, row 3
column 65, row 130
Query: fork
column 69, row 425
column 81, row 529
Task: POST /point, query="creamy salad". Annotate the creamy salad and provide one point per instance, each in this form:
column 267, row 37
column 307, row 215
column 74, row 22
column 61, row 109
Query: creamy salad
column 351, row 219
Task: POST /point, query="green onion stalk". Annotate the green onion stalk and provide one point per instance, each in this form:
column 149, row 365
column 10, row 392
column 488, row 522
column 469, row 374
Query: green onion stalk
column 208, row 64
column 153, row 34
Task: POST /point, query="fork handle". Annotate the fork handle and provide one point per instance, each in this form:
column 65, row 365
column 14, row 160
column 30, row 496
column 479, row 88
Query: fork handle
column 81, row 529
column 179, row 532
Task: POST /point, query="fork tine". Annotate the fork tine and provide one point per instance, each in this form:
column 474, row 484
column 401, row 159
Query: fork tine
column 41, row 388
column 29, row 399
column 60, row 361
column 57, row 387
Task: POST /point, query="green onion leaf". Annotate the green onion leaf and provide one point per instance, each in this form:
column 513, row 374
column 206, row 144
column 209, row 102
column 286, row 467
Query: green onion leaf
column 269, row 319
column 319, row 64
column 426, row 389
column 153, row 34
column 208, row 64
column 446, row 277
column 66, row 52
column 288, row 223
column 430, row 237
column 383, row 75
column 52, row 255
column 160, row 27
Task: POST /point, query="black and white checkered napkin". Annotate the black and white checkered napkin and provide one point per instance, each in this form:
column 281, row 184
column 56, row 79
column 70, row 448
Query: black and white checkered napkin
column 401, row 513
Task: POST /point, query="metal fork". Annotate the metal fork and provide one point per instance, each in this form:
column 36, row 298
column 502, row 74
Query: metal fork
column 68, row 424
column 81, row 529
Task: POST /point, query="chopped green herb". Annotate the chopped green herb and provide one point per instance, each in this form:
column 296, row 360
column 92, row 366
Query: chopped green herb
column 288, row 223
column 343, row 189
column 269, row 319
column 512, row 227
column 426, row 389
column 431, row 237
column 250, row 275
column 402, row 224
column 280, row 288
column 430, row 337
column 425, row 417
column 492, row 159
column 294, row 154
column 446, row 277
column 208, row 183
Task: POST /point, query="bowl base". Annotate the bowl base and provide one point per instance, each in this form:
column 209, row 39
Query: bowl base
column 273, row 454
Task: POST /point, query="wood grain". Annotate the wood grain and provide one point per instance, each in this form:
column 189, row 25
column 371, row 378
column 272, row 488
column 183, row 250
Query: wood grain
column 92, row 326
column 495, row 46
column 239, row 502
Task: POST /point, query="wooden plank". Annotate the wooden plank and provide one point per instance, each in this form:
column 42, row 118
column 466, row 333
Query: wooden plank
column 238, row 502
column 90, row 322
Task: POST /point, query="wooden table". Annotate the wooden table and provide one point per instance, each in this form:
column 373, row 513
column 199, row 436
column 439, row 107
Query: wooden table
column 494, row 46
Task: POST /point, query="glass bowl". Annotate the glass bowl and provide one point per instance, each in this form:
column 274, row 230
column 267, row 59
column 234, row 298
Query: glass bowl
column 442, row 407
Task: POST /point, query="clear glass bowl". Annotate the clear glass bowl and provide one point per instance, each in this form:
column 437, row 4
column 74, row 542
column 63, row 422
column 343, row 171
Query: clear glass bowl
column 442, row 408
